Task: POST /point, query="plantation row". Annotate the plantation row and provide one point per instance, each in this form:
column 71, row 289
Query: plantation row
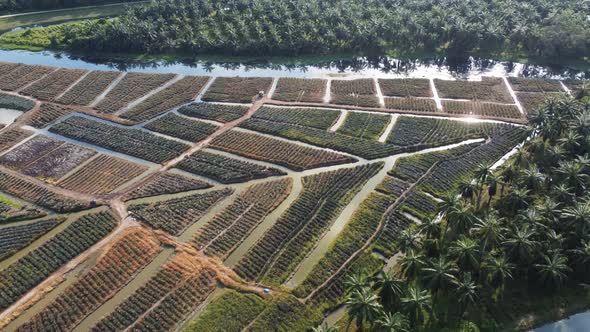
column 419, row 205
column 13, row 239
column 236, row 89
column 36, row 266
column 180, row 92
column 361, row 147
column 307, row 117
column 45, row 158
column 225, row 232
column 166, row 183
column 410, row 104
column 54, row 84
column 130, row 88
column 481, row 109
column 216, row 112
column 134, row 142
column 12, row 136
column 531, row 100
column 175, row 291
column 224, row 169
column 322, row 199
column 448, row 174
column 395, row 223
column 488, row 89
column 89, row 88
column 47, row 114
column 41, row 196
column 367, row 126
column 431, row 132
column 15, row 102
column 300, row 90
column 405, row 87
column 114, row 270
column 17, row 76
column 358, row 230
column 393, row 187
column 534, row 85
column 361, row 92
column 180, row 127
column 102, row 175
column 290, row 155
column 11, row 211
column 175, row 215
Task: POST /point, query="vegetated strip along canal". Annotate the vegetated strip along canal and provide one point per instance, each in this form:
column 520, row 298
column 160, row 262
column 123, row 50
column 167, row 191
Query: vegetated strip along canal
column 351, row 67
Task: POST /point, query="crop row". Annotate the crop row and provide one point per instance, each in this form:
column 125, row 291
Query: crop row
column 134, row 142
column 395, row 223
column 447, row 175
column 405, row 87
column 175, row 215
column 102, row 175
column 164, row 300
column 130, row 88
column 419, row 205
column 364, row 125
column 228, row 228
column 224, row 169
column 534, row 84
column 481, row 109
column 300, row 90
column 45, row 158
column 27, row 272
column 13, row 239
column 117, row 267
column 236, row 89
column 361, row 147
column 216, row 112
column 22, row 75
column 432, row 132
column 6, row 67
column 12, row 136
column 392, row 187
column 52, row 85
column 411, row 168
column 32, row 192
column 15, row 102
column 89, row 88
column 576, row 85
column 361, row 92
column 322, row 199
column 291, row 155
column 307, row 117
column 530, row 101
column 47, row 113
column 11, row 211
column 181, row 127
column 410, row 104
column 180, row 92
column 358, row 230
column 488, row 89
column 166, row 183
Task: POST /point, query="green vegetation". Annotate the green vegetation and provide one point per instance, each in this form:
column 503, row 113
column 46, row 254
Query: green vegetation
column 535, row 28
column 56, row 6
column 231, row 312
column 512, row 248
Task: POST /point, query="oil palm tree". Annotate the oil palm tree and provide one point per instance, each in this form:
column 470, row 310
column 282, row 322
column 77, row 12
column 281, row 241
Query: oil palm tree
column 461, row 219
column 554, row 269
column 498, row 270
column 416, row 303
column 578, row 216
column 363, row 306
column 408, row 240
column 466, row 251
column 489, row 230
column 411, row 264
column 532, row 178
column 439, row 274
column 389, row 288
column 357, row 281
column 393, row 322
column 467, row 292
column 520, row 243
column 572, row 173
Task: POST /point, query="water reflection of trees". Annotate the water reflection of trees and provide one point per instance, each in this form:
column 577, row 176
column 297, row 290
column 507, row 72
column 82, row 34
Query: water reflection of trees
column 459, row 67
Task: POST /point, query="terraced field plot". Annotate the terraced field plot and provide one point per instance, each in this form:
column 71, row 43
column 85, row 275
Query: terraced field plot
column 185, row 184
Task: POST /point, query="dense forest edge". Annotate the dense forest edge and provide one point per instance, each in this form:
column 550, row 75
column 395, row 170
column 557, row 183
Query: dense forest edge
column 551, row 30
column 509, row 251
column 9, row 7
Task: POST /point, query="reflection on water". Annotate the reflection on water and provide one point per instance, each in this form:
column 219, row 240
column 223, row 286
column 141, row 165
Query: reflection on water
column 303, row 67
column 575, row 323
column 7, row 116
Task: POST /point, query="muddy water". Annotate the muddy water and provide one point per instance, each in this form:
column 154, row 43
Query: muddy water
column 140, row 279
column 7, row 116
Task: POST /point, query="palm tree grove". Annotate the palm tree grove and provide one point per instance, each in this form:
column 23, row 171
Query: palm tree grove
column 295, row 165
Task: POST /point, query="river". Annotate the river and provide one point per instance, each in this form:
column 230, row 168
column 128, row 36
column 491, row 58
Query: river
column 574, row 323
column 350, row 67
